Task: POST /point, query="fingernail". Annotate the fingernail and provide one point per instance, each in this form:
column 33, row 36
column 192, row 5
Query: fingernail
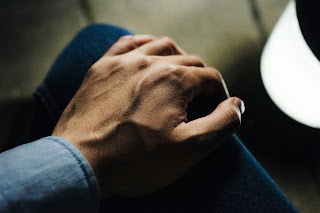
column 241, row 106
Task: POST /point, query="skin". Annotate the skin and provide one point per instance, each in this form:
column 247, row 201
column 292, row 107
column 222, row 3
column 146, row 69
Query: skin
column 129, row 117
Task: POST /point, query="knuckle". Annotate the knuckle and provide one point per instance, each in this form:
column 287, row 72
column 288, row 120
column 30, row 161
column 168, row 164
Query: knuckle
column 175, row 71
column 198, row 60
column 196, row 57
column 144, row 62
column 92, row 73
column 215, row 75
column 233, row 118
column 215, row 72
column 235, row 99
column 169, row 46
column 169, row 42
column 127, row 38
column 93, row 69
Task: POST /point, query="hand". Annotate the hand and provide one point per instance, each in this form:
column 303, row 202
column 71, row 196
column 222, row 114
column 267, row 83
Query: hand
column 129, row 117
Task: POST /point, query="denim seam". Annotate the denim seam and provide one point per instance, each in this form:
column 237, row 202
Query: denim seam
column 87, row 176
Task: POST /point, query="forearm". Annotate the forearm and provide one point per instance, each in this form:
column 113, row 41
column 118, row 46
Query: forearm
column 48, row 175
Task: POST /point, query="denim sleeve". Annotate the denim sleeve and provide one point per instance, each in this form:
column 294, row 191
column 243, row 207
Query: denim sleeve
column 47, row 175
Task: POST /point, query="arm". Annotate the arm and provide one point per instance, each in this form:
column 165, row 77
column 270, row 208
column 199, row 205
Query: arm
column 47, row 175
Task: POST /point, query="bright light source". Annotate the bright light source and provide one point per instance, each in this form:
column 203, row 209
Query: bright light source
column 290, row 71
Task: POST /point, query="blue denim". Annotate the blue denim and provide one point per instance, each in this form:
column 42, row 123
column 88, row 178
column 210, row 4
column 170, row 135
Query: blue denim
column 47, row 175
column 229, row 180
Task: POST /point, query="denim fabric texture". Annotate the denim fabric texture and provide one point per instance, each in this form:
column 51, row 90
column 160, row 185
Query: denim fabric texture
column 47, row 175
column 229, row 180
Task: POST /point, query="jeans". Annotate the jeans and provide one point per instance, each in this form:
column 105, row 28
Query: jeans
column 229, row 180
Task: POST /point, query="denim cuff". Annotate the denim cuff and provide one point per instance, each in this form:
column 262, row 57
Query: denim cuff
column 47, row 175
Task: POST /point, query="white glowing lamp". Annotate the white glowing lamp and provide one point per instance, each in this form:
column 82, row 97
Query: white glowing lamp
column 291, row 72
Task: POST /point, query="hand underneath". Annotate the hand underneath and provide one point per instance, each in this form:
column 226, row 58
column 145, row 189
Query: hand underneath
column 129, row 117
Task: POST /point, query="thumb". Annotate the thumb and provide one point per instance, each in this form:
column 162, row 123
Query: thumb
column 214, row 128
